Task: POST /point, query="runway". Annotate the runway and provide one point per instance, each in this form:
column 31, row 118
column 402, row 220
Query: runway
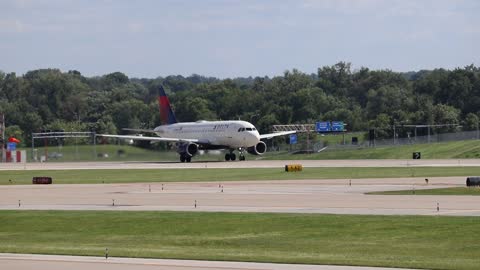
column 242, row 164
column 334, row 196
column 54, row 262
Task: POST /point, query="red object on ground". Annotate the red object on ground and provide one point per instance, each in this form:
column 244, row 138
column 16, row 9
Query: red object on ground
column 13, row 140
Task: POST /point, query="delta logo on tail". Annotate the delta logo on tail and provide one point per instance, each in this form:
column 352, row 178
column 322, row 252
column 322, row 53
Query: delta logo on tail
column 166, row 113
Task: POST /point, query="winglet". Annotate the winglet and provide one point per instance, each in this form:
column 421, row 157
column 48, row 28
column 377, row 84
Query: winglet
column 166, row 113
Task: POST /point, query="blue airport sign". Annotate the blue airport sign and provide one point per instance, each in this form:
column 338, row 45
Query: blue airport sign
column 11, row 146
column 293, row 138
column 322, row 126
column 337, row 126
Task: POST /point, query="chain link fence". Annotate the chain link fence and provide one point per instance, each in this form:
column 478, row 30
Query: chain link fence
column 432, row 138
column 318, row 143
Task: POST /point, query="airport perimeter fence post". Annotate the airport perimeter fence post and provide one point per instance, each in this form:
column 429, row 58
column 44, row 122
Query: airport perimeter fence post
column 478, row 131
column 33, row 150
column 94, row 136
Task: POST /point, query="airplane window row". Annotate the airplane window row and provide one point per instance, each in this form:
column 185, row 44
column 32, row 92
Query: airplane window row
column 199, row 130
column 247, row 129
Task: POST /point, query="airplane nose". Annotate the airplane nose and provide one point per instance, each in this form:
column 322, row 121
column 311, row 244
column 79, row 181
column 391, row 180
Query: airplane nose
column 254, row 138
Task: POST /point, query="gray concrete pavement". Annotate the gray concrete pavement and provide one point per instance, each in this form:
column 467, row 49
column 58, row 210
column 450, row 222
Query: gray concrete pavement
column 286, row 196
column 241, row 164
column 54, row 262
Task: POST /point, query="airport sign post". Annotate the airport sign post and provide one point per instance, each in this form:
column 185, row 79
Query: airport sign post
column 334, row 126
column 323, row 127
column 293, row 139
column 11, row 146
column 337, row 126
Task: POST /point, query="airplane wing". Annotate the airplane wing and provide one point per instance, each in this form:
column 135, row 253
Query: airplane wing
column 271, row 135
column 146, row 138
column 140, row 130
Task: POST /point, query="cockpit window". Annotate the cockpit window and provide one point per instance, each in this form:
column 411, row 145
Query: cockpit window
column 249, row 129
column 240, row 129
column 254, row 129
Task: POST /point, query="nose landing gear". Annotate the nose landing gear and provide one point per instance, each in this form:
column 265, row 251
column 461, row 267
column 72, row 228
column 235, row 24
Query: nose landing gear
column 231, row 156
column 242, row 154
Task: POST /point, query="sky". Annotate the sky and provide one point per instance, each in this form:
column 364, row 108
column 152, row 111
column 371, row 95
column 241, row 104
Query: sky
column 227, row 39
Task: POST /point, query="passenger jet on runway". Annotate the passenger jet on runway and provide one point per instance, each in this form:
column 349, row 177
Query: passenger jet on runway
column 204, row 135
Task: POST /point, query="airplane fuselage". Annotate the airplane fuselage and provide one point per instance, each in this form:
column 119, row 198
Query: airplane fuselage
column 232, row 134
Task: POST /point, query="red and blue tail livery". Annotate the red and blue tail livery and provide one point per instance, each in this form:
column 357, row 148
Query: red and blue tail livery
column 166, row 113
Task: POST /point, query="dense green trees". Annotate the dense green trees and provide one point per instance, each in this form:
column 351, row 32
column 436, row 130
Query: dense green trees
column 51, row 99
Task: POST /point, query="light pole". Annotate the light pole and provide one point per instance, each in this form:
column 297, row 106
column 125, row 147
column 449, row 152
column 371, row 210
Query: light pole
column 478, row 135
column 78, row 128
column 394, row 135
column 251, row 117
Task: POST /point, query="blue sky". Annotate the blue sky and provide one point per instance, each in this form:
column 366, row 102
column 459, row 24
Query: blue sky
column 236, row 38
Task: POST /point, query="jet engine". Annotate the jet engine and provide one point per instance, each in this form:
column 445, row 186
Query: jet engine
column 190, row 149
column 258, row 149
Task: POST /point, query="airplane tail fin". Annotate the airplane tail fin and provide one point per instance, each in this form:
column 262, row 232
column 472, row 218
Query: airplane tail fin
column 166, row 113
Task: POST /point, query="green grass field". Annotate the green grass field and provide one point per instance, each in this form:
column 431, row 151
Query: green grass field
column 460, row 149
column 237, row 174
column 389, row 241
column 435, row 191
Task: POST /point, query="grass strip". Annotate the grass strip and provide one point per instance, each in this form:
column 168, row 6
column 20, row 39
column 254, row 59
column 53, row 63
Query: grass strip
column 457, row 149
column 388, row 241
column 109, row 152
column 236, row 174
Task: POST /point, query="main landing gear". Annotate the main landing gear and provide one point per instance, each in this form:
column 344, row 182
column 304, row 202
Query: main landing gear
column 230, row 156
column 185, row 158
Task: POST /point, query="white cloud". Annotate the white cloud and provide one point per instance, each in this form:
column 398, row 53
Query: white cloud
column 11, row 26
column 345, row 6
column 135, row 27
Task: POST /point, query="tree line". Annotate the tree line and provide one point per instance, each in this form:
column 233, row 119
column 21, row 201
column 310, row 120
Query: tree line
column 49, row 99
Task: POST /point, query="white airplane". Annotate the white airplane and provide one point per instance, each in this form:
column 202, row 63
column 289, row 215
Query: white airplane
column 204, row 135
